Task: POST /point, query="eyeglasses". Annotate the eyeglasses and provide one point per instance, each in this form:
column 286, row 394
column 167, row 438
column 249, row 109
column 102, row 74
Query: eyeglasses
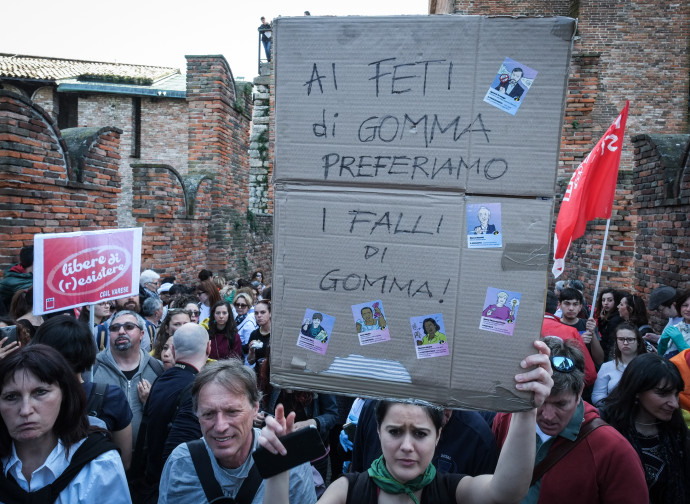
column 129, row 326
column 626, row 341
column 241, row 305
column 562, row 364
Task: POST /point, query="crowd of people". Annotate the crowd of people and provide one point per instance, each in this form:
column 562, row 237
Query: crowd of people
column 165, row 395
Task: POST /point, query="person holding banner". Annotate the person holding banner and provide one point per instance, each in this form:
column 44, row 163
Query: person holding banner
column 409, row 433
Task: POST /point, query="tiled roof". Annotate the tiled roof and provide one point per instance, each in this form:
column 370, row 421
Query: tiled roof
column 56, row 69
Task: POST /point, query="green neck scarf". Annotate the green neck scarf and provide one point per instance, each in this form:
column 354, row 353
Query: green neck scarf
column 383, row 479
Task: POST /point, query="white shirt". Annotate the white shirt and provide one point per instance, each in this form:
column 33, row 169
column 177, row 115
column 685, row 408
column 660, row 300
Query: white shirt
column 607, row 379
column 102, row 478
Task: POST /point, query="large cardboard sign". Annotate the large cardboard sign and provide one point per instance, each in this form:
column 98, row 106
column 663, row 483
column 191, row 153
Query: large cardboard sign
column 73, row 269
column 415, row 169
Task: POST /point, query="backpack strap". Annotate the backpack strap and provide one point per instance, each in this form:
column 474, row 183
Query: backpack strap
column 157, row 366
column 204, row 469
column 212, row 489
column 101, row 337
column 359, row 487
column 559, row 451
column 95, row 445
column 94, row 405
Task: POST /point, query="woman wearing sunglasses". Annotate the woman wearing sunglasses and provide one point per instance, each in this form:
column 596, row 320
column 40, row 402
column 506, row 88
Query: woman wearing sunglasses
column 644, row 409
column 245, row 319
column 628, row 345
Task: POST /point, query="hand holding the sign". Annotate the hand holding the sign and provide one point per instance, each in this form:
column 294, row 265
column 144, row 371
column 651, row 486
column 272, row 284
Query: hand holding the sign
column 5, row 350
column 538, row 379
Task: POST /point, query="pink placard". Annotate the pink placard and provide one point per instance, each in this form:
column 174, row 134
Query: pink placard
column 73, row 269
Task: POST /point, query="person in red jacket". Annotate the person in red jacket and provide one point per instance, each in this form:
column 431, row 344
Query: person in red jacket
column 601, row 467
column 552, row 326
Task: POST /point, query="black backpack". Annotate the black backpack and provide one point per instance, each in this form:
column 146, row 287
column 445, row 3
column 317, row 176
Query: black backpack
column 96, row 444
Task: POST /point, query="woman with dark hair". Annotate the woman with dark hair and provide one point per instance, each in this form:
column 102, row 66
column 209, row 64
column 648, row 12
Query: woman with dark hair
column 22, row 338
column 174, row 319
column 260, row 339
column 433, row 334
column 101, row 312
column 74, row 341
column 607, row 318
column 44, row 428
column 208, row 296
column 644, row 409
column 21, row 310
column 676, row 338
column 629, row 344
column 408, row 434
column 190, row 304
column 222, row 333
column 633, row 310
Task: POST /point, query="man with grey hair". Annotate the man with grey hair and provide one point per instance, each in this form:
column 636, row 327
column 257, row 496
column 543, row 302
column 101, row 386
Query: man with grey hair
column 125, row 364
column 152, row 311
column 169, row 417
column 149, row 281
column 580, row 458
column 226, row 400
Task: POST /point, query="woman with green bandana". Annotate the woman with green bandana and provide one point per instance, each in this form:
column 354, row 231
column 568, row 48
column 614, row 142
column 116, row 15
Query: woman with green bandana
column 409, row 434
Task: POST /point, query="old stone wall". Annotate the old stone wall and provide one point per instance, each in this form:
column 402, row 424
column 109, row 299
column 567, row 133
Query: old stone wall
column 662, row 204
column 46, row 187
column 194, row 213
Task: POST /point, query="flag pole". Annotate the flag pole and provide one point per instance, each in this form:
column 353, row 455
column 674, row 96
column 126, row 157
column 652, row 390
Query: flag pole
column 601, row 264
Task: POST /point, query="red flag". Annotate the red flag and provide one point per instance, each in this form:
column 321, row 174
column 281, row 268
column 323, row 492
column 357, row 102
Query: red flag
column 590, row 192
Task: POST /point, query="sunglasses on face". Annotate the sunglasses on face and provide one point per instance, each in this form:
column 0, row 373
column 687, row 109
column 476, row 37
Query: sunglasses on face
column 195, row 313
column 129, row 326
column 241, row 305
column 562, row 364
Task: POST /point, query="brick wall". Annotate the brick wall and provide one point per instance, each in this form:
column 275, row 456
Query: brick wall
column 46, row 187
column 194, row 215
column 623, row 50
column 662, row 203
column 163, row 135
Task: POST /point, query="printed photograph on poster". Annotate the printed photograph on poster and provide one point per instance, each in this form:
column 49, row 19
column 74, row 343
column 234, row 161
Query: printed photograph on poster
column 510, row 86
column 429, row 335
column 500, row 311
column 315, row 331
column 484, row 225
column 370, row 322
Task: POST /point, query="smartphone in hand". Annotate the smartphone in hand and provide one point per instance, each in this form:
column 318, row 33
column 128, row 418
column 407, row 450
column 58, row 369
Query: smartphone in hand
column 302, row 446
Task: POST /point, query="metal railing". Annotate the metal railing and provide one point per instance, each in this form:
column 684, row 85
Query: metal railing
column 267, row 55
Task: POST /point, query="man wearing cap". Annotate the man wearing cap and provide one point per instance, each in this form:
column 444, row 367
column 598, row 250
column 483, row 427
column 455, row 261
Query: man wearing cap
column 580, row 458
column 662, row 300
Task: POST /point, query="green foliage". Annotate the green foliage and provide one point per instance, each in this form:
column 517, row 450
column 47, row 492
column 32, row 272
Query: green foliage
column 116, row 79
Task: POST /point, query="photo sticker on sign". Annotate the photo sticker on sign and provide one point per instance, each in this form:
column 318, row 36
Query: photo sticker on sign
column 370, row 322
column 510, row 86
column 429, row 335
column 315, row 331
column 500, row 311
column 484, row 229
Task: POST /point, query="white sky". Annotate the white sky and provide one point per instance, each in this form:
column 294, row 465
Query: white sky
column 162, row 33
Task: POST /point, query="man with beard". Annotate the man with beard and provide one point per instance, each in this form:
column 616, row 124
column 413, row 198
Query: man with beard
column 125, row 364
column 100, row 332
